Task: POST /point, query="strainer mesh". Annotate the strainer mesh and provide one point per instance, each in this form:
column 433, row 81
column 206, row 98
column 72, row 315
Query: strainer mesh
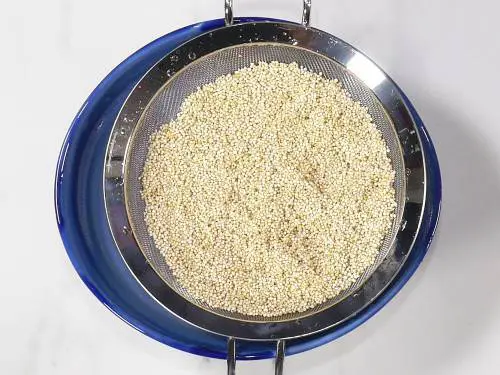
column 166, row 104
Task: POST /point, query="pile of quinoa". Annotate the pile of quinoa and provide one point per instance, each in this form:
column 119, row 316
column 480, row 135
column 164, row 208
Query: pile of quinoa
column 271, row 191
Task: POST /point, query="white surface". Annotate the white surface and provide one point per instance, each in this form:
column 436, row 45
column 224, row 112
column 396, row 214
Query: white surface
column 444, row 54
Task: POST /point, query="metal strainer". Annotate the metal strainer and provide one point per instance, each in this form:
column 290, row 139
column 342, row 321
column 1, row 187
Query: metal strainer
column 156, row 100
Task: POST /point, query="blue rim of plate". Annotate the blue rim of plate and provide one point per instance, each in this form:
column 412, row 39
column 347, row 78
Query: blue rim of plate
column 83, row 226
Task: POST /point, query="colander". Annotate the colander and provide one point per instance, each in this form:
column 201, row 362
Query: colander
column 156, row 99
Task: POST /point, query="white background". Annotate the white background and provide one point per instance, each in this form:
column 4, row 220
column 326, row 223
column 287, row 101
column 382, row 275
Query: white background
column 445, row 55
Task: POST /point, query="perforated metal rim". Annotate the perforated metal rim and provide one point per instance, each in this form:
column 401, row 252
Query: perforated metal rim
column 285, row 34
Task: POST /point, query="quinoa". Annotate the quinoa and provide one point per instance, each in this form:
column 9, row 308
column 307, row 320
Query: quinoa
column 270, row 193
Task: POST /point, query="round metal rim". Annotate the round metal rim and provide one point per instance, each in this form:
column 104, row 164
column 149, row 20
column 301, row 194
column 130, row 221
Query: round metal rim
column 292, row 34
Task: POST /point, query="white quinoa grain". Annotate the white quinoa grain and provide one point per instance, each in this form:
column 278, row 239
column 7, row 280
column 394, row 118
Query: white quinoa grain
column 270, row 193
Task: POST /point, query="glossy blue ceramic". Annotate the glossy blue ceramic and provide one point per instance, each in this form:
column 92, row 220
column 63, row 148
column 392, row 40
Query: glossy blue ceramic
column 84, row 229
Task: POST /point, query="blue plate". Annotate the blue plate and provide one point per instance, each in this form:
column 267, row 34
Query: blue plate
column 84, row 229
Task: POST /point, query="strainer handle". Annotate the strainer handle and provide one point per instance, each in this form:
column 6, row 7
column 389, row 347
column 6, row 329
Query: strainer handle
column 231, row 357
column 306, row 12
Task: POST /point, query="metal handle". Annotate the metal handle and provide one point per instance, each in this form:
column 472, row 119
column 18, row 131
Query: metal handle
column 231, row 357
column 280, row 357
column 228, row 14
column 229, row 19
